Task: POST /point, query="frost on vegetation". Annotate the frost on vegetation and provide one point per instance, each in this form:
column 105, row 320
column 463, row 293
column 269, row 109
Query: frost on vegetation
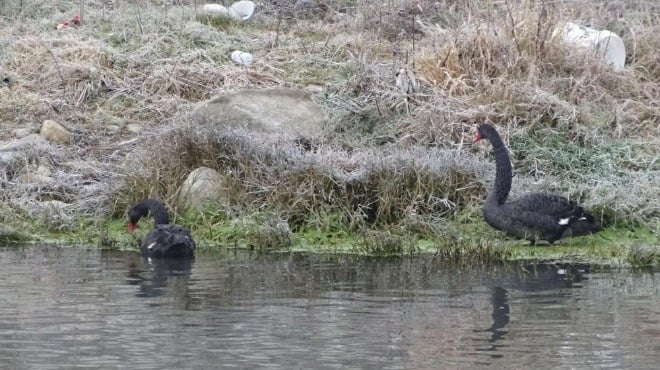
column 132, row 71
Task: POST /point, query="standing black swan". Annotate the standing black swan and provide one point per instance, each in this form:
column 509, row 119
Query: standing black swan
column 533, row 216
column 165, row 239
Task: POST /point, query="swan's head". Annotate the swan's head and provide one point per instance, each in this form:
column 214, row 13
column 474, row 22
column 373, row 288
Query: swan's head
column 134, row 215
column 148, row 206
column 484, row 131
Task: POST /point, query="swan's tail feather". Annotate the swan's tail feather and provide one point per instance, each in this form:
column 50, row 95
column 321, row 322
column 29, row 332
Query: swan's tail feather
column 584, row 224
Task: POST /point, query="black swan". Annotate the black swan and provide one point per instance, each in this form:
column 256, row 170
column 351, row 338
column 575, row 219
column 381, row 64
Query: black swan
column 165, row 239
column 533, row 216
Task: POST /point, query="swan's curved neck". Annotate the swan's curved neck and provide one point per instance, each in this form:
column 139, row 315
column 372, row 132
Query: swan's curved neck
column 503, row 172
column 158, row 211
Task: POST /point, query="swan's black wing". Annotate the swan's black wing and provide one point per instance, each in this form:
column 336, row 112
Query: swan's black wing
column 551, row 205
column 169, row 240
column 551, row 215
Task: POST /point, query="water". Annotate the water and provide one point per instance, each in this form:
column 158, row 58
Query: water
column 64, row 308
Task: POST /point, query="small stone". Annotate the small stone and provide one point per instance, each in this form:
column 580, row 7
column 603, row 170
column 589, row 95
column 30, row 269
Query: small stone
column 202, row 187
column 20, row 132
column 215, row 10
column 134, row 128
column 53, row 131
column 314, row 88
column 55, row 205
column 34, row 178
column 43, row 169
column 113, row 129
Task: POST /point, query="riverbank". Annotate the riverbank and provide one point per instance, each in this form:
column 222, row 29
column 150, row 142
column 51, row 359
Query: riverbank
column 472, row 242
column 391, row 173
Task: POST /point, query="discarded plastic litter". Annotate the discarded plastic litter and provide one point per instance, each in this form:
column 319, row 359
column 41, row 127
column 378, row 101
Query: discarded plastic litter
column 606, row 44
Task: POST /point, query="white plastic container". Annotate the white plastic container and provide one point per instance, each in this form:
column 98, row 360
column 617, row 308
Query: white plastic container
column 605, row 44
column 242, row 10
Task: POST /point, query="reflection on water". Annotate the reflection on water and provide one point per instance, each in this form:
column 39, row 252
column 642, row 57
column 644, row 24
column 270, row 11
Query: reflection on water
column 500, row 316
column 156, row 276
column 75, row 307
column 534, row 278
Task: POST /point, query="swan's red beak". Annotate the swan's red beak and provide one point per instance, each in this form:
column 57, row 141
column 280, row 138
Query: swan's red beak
column 131, row 227
column 477, row 137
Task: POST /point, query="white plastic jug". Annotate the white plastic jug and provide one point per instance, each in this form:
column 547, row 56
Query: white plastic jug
column 606, row 44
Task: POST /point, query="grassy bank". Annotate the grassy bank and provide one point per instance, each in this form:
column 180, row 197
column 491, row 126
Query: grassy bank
column 393, row 171
column 472, row 242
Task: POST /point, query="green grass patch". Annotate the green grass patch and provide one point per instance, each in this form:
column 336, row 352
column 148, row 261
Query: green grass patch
column 459, row 241
column 473, row 242
column 392, row 173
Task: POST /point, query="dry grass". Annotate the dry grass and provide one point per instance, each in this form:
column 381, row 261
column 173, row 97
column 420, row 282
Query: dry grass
column 388, row 157
column 366, row 187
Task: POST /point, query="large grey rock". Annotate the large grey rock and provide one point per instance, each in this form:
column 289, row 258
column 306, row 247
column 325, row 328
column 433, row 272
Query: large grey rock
column 202, row 188
column 287, row 113
column 53, row 131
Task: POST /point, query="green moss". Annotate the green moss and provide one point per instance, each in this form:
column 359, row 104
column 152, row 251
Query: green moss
column 458, row 240
column 10, row 236
column 615, row 246
column 367, row 186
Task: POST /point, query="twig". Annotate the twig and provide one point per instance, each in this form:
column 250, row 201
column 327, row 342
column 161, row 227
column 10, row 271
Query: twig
column 513, row 27
column 59, row 70
column 82, row 11
column 277, row 31
column 138, row 18
column 413, row 37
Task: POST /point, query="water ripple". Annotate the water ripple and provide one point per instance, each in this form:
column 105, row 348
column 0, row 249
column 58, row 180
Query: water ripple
column 62, row 308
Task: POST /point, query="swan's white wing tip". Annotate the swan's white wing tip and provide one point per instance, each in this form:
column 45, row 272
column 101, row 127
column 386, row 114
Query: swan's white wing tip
column 564, row 221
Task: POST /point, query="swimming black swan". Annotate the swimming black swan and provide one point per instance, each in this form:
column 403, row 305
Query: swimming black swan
column 165, row 239
column 533, row 216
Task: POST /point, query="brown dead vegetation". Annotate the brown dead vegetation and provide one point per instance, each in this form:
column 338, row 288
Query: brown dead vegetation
column 148, row 63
